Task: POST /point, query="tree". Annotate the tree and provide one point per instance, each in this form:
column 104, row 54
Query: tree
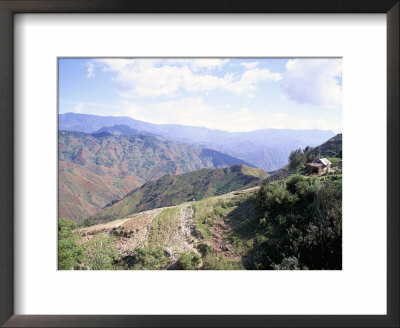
column 296, row 158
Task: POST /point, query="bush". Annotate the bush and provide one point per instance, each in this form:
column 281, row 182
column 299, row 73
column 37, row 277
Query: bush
column 302, row 225
column 204, row 249
column 148, row 258
column 189, row 261
column 100, row 253
column 88, row 222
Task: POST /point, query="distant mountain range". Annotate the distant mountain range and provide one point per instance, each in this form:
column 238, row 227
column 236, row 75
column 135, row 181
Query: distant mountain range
column 96, row 169
column 172, row 190
column 267, row 149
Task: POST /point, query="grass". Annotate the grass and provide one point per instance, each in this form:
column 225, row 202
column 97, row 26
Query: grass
column 203, row 212
column 213, row 262
column 165, row 226
column 334, row 161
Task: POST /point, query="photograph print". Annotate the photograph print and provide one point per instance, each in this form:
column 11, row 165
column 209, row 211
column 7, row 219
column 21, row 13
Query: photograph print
column 200, row 164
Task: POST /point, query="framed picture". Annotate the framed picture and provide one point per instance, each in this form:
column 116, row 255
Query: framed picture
column 185, row 168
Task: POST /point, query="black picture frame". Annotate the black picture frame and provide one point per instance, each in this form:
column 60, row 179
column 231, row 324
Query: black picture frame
column 10, row 7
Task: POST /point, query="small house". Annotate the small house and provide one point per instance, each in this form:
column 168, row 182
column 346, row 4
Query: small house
column 326, row 164
column 318, row 166
column 314, row 168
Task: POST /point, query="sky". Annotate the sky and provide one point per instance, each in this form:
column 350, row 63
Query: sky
column 231, row 94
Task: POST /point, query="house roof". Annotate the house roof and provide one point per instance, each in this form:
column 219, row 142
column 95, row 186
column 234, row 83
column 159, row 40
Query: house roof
column 325, row 161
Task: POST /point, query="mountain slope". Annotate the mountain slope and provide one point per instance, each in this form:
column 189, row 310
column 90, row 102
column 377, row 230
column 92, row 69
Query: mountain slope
column 95, row 170
column 266, row 149
column 173, row 190
column 330, row 148
column 85, row 189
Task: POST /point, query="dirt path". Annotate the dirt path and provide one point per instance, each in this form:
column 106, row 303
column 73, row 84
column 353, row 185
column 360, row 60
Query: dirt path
column 183, row 240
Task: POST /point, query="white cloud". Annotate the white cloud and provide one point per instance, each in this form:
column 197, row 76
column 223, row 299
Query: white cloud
column 90, row 70
column 247, row 83
column 249, row 65
column 313, row 81
column 156, row 77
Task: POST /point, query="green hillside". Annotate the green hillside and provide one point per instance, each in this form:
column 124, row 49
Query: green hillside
column 176, row 189
column 330, row 148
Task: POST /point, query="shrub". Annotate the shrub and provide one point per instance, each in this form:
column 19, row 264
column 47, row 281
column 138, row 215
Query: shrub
column 100, row 253
column 302, row 225
column 148, row 258
column 189, row 261
column 88, row 222
column 204, row 249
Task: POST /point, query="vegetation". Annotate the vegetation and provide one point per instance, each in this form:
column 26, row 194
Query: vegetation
column 147, row 258
column 302, row 225
column 189, row 261
column 88, row 222
column 164, row 227
column 96, row 254
column 296, row 158
column 330, row 148
column 100, row 253
column 70, row 253
column 215, row 262
column 334, row 161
